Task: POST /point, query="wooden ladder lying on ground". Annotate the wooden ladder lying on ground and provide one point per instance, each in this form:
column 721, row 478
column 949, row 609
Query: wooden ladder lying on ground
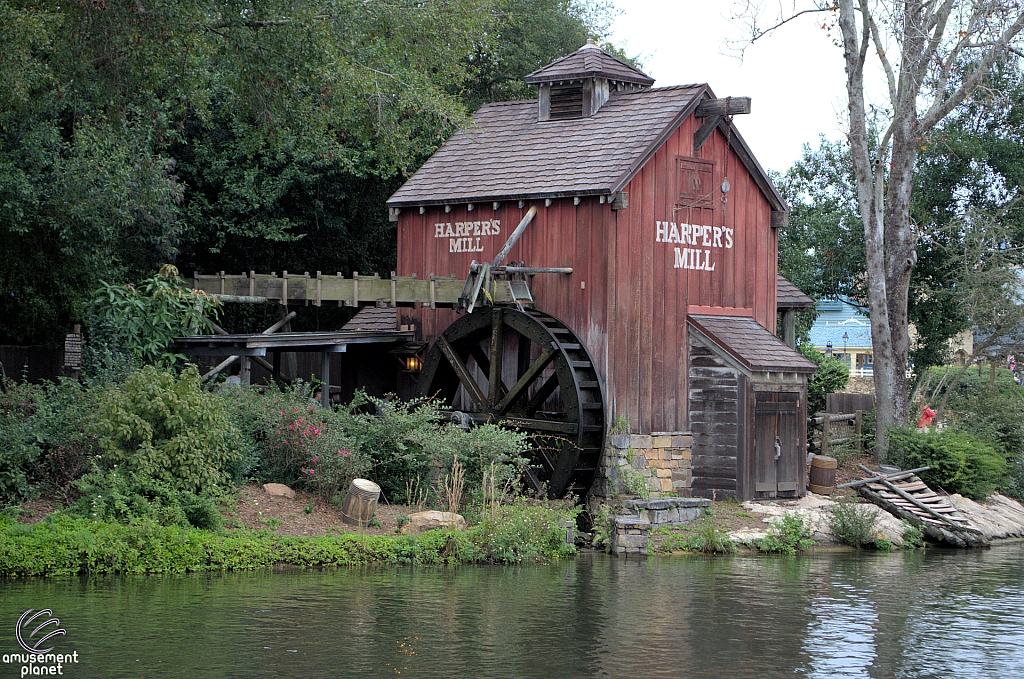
column 907, row 497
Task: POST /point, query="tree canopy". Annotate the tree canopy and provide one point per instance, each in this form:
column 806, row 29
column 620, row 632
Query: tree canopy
column 233, row 135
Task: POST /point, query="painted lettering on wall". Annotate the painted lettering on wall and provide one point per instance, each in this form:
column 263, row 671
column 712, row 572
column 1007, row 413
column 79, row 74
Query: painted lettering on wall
column 466, row 236
column 706, row 238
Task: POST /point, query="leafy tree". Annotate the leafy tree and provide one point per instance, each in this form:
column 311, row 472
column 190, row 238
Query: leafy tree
column 233, row 136
column 144, row 320
column 941, row 55
column 831, row 376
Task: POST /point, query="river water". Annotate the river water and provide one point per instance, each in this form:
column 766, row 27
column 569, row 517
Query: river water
column 932, row 614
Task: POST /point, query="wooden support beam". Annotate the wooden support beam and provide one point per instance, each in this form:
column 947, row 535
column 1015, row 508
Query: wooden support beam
column 465, row 377
column 703, row 132
column 730, row 106
column 789, row 327
column 325, row 375
column 519, row 388
column 494, row 385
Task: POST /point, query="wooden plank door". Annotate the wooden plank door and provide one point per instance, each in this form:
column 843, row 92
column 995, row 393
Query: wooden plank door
column 790, row 466
column 779, row 462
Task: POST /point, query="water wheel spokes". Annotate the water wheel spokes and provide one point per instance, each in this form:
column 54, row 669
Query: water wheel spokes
column 527, row 371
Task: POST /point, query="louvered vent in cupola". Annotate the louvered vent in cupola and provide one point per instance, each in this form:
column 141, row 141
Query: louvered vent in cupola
column 566, row 101
column 578, row 85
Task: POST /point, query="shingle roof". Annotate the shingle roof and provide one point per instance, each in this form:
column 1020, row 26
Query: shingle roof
column 506, row 153
column 751, row 345
column 373, row 318
column 788, row 296
column 586, row 62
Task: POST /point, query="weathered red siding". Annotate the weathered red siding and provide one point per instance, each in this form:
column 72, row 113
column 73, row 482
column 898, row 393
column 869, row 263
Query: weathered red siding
column 625, row 298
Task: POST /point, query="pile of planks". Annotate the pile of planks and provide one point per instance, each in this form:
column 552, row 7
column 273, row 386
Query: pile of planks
column 907, row 497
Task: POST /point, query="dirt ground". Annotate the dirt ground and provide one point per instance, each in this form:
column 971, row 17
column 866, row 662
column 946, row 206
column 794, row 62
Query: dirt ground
column 36, row 510
column 730, row 515
column 304, row 515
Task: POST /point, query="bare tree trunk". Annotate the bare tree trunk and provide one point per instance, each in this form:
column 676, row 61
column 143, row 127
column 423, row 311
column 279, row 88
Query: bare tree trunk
column 870, row 188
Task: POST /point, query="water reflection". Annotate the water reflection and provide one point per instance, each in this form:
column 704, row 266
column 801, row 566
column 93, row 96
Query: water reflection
column 937, row 614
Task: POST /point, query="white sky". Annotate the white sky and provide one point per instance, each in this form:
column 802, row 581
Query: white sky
column 794, row 77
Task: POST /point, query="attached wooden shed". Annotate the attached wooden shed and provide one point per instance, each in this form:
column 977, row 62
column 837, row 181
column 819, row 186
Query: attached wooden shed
column 653, row 199
column 748, row 405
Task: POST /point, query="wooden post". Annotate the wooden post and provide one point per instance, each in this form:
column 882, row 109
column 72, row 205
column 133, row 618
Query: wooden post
column 789, row 327
column 246, row 374
column 325, row 375
column 860, row 430
column 825, row 422
column 276, row 371
column 291, row 363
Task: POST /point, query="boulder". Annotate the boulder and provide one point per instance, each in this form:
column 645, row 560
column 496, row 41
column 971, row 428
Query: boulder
column 278, row 489
column 421, row 522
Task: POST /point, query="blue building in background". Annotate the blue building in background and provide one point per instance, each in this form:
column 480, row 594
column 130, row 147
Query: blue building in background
column 843, row 330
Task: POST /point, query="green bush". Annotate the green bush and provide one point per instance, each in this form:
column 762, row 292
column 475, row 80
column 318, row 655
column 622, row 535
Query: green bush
column 525, row 531
column 402, row 441
column 164, row 426
column 789, row 534
column 831, row 376
column 68, row 545
column 705, row 538
column 123, row 496
column 913, row 536
column 853, row 524
column 44, row 445
column 960, row 462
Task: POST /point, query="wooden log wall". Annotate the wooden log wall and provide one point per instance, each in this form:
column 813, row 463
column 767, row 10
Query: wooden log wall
column 717, row 396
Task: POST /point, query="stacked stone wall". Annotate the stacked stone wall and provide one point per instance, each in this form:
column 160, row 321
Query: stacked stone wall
column 660, row 462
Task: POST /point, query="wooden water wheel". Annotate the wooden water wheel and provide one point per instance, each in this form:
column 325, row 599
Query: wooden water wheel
column 528, row 371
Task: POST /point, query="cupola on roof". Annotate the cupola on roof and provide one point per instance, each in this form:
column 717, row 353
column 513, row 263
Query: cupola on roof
column 590, row 61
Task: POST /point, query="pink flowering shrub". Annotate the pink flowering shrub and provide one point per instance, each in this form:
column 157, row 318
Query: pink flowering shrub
column 293, row 431
column 334, row 462
column 308, row 446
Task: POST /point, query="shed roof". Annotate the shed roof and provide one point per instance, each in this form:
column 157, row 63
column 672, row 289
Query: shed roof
column 587, row 62
column 753, row 347
column 506, row 153
column 789, row 296
column 373, row 318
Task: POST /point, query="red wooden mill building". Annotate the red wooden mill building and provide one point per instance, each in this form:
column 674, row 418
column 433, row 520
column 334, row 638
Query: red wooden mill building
column 669, row 225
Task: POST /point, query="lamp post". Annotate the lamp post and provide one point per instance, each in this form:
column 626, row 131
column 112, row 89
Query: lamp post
column 846, row 338
column 828, row 348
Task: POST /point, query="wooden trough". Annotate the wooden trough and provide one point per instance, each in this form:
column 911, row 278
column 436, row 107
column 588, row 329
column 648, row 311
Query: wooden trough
column 907, row 497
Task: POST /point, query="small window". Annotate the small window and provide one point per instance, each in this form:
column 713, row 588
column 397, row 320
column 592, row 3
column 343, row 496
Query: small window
column 695, row 182
column 566, row 101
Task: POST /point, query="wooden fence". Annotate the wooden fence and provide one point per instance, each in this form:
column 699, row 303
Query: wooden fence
column 32, row 363
column 830, row 430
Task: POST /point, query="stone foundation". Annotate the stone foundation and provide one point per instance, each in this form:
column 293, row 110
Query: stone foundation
column 671, row 511
column 660, row 461
column 631, row 535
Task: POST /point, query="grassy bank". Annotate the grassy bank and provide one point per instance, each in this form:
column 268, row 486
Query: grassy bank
column 65, row 545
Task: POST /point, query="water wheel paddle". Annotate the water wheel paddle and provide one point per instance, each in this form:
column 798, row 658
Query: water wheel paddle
column 528, row 371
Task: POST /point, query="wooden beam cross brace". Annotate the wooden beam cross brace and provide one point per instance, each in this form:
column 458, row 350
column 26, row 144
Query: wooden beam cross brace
column 714, row 111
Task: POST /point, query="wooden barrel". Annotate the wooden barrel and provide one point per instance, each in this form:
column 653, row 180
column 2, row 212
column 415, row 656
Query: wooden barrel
column 823, row 475
column 360, row 503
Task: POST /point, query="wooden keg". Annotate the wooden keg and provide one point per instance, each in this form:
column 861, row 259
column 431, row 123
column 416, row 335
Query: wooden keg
column 823, row 474
column 360, row 503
